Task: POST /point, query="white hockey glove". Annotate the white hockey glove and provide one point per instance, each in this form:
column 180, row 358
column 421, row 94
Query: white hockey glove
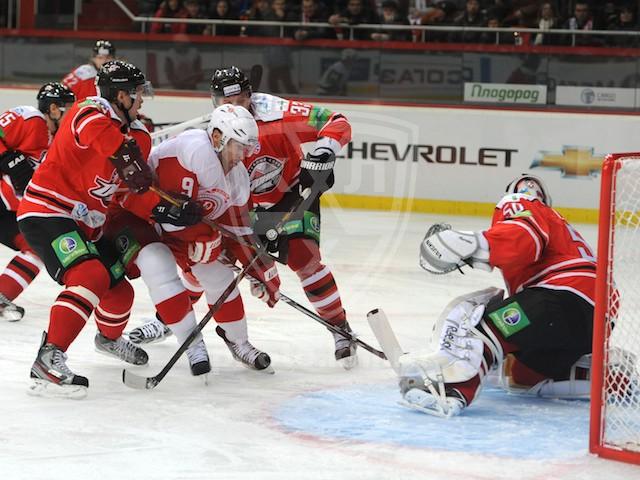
column 444, row 250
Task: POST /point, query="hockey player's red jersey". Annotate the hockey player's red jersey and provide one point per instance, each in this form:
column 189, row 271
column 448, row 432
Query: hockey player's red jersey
column 283, row 126
column 535, row 247
column 23, row 129
column 78, row 180
column 82, row 81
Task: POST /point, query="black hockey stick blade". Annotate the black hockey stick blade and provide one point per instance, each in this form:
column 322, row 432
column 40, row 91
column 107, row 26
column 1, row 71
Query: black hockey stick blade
column 255, row 77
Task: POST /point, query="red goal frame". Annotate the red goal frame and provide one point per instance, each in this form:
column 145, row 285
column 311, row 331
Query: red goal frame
column 597, row 444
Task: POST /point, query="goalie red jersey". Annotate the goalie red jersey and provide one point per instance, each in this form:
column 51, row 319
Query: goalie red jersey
column 82, row 81
column 284, row 125
column 78, row 180
column 535, row 247
column 23, row 129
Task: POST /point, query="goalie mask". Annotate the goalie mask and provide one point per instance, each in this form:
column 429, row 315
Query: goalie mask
column 234, row 123
column 530, row 185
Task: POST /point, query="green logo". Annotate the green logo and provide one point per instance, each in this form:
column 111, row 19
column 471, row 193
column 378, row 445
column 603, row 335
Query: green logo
column 510, row 319
column 70, row 246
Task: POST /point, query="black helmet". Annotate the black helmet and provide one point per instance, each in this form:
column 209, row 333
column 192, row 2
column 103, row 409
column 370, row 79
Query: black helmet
column 104, row 47
column 229, row 81
column 117, row 75
column 54, row 93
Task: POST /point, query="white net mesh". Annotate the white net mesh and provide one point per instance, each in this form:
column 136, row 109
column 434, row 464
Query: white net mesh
column 621, row 395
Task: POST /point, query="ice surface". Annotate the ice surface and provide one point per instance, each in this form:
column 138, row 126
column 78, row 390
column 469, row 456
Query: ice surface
column 311, row 420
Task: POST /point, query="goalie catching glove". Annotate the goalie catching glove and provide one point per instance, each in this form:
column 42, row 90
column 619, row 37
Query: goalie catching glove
column 444, row 250
column 19, row 169
column 132, row 168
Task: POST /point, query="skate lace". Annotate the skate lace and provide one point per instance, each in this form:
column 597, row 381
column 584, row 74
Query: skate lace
column 246, row 351
column 125, row 347
column 58, row 360
column 197, row 353
column 152, row 329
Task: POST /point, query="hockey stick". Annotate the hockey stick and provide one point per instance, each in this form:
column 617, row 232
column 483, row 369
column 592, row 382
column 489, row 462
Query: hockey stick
column 169, row 132
column 319, row 319
column 386, row 337
column 139, row 382
column 255, row 77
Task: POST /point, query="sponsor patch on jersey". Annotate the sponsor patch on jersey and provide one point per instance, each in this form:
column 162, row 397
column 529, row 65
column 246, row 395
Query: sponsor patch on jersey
column 104, row 188
column 510, row 319
column 318, row 117
column 525, row 213
column 68, row 247
column 265, row 174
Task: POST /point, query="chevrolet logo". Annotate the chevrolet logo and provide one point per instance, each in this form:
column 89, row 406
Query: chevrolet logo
column 573, row 162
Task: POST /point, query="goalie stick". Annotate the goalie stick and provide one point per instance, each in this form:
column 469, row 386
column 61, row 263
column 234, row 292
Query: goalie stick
column 386, row 337
column 133, row 380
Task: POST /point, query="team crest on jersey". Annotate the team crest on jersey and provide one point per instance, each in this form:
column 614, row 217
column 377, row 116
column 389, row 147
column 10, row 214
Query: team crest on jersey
column 265, row 174
column 104, row 189
column 212, row 199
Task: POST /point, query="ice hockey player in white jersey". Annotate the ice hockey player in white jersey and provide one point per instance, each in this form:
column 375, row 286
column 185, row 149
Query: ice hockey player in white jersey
column 206, row 167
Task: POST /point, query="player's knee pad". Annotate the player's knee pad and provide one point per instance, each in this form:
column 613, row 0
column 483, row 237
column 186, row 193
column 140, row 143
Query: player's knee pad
column 159, row 272
column 304, row 256
column 90, row 274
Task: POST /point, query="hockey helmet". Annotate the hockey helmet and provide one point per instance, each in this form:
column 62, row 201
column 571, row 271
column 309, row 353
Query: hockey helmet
column 104, row 47
column 234, row 123
column 530, row 185
column 54, row 93
column 117, row 75
column 227, row 82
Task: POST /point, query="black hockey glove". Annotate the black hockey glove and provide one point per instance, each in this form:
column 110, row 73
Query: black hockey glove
column 276, row 243
column 18, row 167
column 316, row 172
column 189, row 213
column 132, row 168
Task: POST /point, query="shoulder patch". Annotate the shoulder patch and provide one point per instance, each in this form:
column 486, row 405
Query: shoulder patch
column 86, row 71
column 27, row 112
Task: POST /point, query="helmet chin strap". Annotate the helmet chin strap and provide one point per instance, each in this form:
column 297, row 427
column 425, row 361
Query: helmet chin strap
column 125, row 111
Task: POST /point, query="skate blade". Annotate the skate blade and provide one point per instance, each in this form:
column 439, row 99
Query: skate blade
column 349, row 362
column 268, row 371
column 115, row 357
column 12, row 315
column 43, row 388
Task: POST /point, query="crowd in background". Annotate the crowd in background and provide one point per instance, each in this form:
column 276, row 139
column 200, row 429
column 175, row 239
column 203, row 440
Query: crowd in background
column 338, row 14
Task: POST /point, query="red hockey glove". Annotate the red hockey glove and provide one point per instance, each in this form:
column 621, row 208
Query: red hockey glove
column 132, row 167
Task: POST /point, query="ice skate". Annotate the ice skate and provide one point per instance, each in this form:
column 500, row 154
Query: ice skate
column 198, row 358
column 9, row 310
column 345, row 352
column 51, row 377
column 247, row 354
column 446, row 406
column 122, row 349
column 151, row 332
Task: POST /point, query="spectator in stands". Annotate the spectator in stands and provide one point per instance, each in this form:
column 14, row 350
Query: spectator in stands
column 194, row 10
column 221, row 10
column 169, row 9
column 310, row 12
column 258, row 12
column 355, row 13
column 547, row 20
column 500, row 9
column 625, row 21
column 500, row 38
column 524, row 13
column 471, row 17
column 443, row 14
column 391, row 16
column 582, row 19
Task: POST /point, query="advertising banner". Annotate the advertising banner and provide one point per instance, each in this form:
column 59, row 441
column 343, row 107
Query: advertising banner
column 596, row 96
column 505, row 93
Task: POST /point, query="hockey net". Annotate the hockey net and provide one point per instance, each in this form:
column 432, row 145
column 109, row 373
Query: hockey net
column 615, row 394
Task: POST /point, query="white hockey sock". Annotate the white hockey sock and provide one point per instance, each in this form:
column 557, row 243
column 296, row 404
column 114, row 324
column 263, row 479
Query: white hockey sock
column 184, row 327
column 236, row 332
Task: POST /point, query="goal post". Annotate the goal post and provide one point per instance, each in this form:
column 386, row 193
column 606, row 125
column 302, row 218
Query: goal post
column 615, row 388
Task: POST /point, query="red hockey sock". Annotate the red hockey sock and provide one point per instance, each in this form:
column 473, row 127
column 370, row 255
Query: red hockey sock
column 317, row 279
column 230, row 311
column 174, row 309
column 523, row 375
column 112, row 313
column 18, row 274
column 85, row 283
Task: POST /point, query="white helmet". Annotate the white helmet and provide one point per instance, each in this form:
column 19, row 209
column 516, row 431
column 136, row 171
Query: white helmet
column 530, row 185
column 234, row 122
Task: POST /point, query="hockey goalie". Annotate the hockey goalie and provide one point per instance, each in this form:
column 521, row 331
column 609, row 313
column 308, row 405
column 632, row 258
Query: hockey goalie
column 538, row 338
